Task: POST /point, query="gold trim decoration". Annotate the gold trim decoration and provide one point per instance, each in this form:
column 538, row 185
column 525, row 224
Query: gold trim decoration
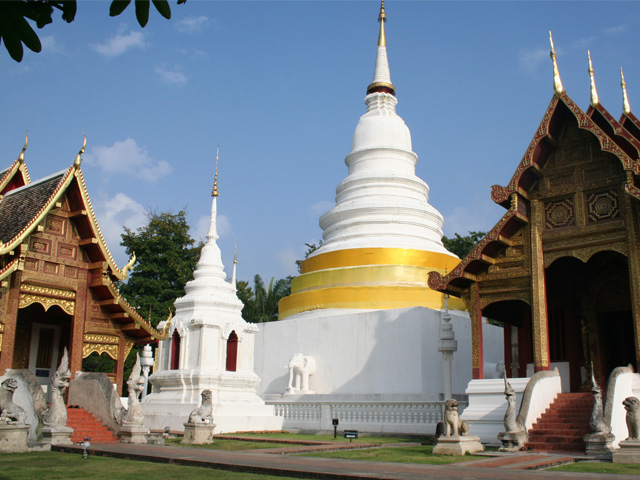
column 1, row 336
column 47, row 297
column 100, row 348
column 101, row 338
column 127, row 348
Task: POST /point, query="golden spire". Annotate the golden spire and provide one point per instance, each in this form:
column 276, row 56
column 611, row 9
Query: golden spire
column 382, row 41
column 626, row 108
column 235, row 252
column 557, row 83
column 592, row 81
column 78, row 160
column 214, row 192
column 24, row 149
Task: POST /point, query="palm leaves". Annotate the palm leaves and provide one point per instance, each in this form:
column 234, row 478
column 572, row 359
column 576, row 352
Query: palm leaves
column 260, row 302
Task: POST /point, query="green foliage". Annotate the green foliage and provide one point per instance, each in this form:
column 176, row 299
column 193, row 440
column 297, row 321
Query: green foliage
column 98, row 363
column 311, row 247
column 462, row 246
column 261, row 303
column 166, row 259
column 15, row 30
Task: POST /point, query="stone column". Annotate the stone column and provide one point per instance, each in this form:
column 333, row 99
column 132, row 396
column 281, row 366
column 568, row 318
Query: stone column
column 448, row 345
column 539, row 320
column 146, row 362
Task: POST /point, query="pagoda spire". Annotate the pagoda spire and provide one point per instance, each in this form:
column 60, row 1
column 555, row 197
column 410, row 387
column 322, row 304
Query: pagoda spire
column 626, row 108
column 235, row 263
column 212, row 235
column 382, row 75
column 592, row 82
column 557, row 83
column 78, row 160
column 24, row 149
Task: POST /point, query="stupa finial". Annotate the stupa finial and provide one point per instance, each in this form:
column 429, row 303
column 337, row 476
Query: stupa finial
column 214, row 192
column 381, row 75
column 235, row 264
column 626, row 108
column 557, row 83
column 24, row 149
column 592, row 82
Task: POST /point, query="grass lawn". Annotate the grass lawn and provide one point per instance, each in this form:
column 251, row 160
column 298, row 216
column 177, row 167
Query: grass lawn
column 408, row 454
column 598, row 467
column 227, row 444
column 54, row 466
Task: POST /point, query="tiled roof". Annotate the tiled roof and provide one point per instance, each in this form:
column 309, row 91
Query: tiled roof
column 18, row 207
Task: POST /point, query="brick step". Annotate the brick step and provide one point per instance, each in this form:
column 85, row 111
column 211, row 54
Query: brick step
column 555, row 438
column 86, row 425
column 554, row 447
column 569, row 432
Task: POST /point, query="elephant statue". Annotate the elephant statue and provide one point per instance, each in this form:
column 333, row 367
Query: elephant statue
column 300, row 368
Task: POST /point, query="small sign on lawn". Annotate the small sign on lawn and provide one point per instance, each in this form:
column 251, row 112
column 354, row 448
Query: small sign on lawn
column 351, row 434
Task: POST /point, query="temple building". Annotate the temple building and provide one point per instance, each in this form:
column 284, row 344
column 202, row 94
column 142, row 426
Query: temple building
column 383, row 237
column 57, row 278
column 560, row 269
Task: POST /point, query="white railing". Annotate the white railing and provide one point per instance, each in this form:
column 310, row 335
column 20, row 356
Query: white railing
column 373, row 417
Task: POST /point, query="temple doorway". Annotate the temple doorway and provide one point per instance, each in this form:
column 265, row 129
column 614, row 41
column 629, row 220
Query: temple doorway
column 589, row 317
column 41, row 336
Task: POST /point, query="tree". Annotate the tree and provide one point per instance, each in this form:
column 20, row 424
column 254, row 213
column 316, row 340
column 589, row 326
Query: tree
column 16, row 30
column 462, row 246
column 165, row 261
column 260, row 303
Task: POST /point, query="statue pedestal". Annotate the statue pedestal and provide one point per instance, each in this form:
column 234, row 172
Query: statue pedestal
column 628, row 452
column 13, row 438
column 458, row 445
column 512, row 442
column 57, row 435
column 198, row 433
column 599, row 443
column 134, row 434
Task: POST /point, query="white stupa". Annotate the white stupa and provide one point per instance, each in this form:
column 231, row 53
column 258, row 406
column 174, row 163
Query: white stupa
column 383, row 237
column 210, row 347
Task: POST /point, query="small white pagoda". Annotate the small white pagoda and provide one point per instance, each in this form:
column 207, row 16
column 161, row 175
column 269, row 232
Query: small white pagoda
column 210, row 346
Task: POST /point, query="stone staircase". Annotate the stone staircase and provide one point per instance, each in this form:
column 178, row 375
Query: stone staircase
column 86, row 425
column 562, row 425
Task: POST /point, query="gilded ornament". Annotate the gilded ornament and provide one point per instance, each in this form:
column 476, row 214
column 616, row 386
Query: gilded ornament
column 100, row 348
column 101, row 338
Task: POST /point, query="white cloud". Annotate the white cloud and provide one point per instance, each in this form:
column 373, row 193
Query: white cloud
column 530, row 59
column 615, row 30
column 50, row 45
column 583, row 43
column 171, row 77
column 192, row 24
column 114, row 213
column 321, row 207
column 120, row 43
column 127, row 157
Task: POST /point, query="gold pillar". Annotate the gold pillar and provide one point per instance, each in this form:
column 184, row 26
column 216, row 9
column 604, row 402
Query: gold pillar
column 475, row 315
column 632, row 221
column 539, row 320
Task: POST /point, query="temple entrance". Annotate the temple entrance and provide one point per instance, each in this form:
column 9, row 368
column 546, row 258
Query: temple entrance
column 40, row 340
column 589, row 316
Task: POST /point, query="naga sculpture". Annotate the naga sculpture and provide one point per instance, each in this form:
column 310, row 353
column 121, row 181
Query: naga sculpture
column 596, row 422
column 134, row 414
column 10, row 413
column 204, row 413
column 632, row 406
column 511, row 424
column 57, row 415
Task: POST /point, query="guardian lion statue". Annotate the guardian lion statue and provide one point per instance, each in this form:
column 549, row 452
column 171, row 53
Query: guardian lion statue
column 10, row 413
column 632, row 406
column 204, row 413
column 453, row 424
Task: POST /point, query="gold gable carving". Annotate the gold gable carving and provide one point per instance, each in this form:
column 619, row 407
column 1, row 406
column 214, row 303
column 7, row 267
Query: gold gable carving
column 47, row 297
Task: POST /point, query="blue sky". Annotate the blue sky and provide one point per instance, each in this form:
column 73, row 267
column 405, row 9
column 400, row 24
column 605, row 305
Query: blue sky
column 280, row 87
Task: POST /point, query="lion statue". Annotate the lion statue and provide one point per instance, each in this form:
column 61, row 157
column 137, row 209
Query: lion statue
column 632, row 406
column 204, row 413
column 453, row 424
column 10, row 413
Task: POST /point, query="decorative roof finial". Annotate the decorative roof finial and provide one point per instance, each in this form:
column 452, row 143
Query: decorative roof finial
column 78, row 160
column 557, row 83
column 382, row 17
column 235, row 264
column 592, row 80
column 235, row 252
column 214, row 192
column 24, row 149
column 626, row 108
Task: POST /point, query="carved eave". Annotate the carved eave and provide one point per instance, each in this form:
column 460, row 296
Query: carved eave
column 120, row 312
column 483, row 254
column 620, row 135
column 544, row 142
column 8, row 269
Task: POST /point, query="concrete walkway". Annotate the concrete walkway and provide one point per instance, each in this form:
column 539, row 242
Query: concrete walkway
column 257, row 461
